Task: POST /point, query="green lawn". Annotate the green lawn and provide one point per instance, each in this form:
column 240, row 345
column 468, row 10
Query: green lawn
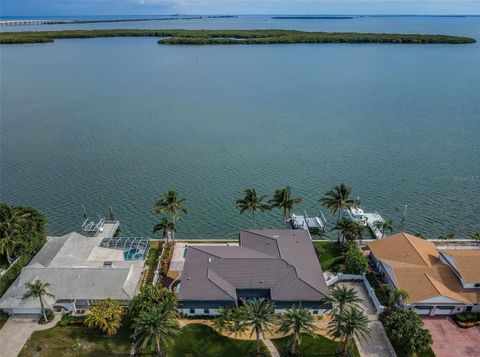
column 401, row 353
column 330, row 256
column 76, row 341
column 311, row 347
column 197, row 340
column 152, row 260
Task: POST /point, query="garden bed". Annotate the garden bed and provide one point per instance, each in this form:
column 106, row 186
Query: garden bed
column 312, row 347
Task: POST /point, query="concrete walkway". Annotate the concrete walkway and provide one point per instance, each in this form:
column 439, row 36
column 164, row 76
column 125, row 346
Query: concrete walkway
column 378, row 344
column 18, row 329
column 271, row 347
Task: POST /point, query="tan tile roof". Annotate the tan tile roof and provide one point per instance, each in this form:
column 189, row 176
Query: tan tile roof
column 418, row 270
column 467, row 262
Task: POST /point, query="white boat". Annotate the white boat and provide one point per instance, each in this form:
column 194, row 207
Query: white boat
column 368, row 220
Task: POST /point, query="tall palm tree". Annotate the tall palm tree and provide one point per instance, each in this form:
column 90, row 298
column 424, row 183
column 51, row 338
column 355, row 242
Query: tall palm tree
column 172, row 204
column 384, row 226
column 349, row 230
column 350, row 323
column 283, row 199
column 259, row 316
column 252, row 202
column 295, row 321
column 446, row 237
column 39, row 290
column 105, row 315
column 165, row 226
column 394, row 295
column 341, row 296
column 476, row 237
column 155, row 329
column 338, row 198
column 13, row 221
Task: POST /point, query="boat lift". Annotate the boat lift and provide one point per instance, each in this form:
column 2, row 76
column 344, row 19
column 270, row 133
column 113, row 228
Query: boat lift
column 304, row 222
column 92, row 226
column 368, row 220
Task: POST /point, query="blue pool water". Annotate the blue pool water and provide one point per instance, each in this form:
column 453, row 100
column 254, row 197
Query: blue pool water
column 185, row 252
column 132, row 254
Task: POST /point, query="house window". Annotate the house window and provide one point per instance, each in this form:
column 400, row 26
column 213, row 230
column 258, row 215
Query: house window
column 315, row 312
column 192, row 311
column 469, row 308
column 206, row 311
column 477, row 285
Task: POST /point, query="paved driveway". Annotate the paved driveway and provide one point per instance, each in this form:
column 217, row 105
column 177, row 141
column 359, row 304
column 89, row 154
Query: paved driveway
column 450, row 340
column 378, row 345
column 16, row 332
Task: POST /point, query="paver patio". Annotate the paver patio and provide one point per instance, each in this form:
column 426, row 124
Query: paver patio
column 450, row 340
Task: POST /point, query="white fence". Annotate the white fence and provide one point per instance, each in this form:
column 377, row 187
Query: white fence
column 371, row 292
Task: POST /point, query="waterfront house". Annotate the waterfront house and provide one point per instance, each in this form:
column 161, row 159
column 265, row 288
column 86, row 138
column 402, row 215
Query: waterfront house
column 278, row 265
column 438, row 281
column 80, row 270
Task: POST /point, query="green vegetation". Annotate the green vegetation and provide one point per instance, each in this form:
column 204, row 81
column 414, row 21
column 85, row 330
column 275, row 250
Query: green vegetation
column 341, row 297
column 467, row 319
column 355, row 262
column 22, row 234
column 197, row 340
column 312, row 347
column 405, row 331
column 283, row 200
column 3, row 318
column 223, row 37
column 152, row 260
column 297, row 321
column 329, row 254
column 105, row 315
column 170, row 204
column 38, row 290
column 76, row 341
column 166, row 257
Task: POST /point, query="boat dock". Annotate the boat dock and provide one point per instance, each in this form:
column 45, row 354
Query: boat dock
column 366, row 219
column 306, row 223
column 101, row 229
column 33, row 22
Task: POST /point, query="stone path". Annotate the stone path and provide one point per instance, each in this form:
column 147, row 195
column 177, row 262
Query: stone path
column 18, row 329
column 378, row 344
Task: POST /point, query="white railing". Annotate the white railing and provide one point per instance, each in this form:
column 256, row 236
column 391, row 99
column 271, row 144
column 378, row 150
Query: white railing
column 371, row 292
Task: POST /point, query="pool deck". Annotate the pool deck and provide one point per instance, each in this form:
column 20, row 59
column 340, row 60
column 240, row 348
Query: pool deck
column 178, row 258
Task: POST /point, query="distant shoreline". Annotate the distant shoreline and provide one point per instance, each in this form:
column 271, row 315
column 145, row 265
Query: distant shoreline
column 228, row 37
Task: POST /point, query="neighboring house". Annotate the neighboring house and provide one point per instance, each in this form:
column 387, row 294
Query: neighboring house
column 80, row 270
column 279, row 265
column 438, row 281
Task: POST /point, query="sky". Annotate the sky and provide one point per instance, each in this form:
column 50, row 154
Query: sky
column 235, row 7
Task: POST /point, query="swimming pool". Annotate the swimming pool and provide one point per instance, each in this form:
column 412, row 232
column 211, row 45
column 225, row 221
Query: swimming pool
column 132, row 254
column 185, row 252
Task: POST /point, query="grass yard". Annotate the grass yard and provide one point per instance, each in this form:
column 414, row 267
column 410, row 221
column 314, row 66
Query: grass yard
column 401, row 353
column 197, row 340
column 152, row 260
column 330, row 254
column 76, row 341
column 311, row 347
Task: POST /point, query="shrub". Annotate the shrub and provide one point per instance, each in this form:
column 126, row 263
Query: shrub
column 69, row 320
column 355, row 262
column 167, row 257
column 50, row 316
column 467, row 319
column 333, row 262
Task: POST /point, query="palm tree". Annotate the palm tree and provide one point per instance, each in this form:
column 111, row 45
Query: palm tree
column 338, row 198
column 154, row 329
column 170, row 203
column 350, row 323
column 384, row 226
column 259, row 316
column 283, row 199
column 105, row 315
column 341, row 296
column 252, row 202
column 394, row 295
column 13, row 221
column 166, row 226
column 230, row 320
column 476, row 237
column 39, row 290
column 296, row 321
column 446, row 237
column 348, row 229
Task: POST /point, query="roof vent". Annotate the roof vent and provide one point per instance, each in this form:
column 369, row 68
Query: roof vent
column 188, row 278
column 107, row 264
column 261, row 281
column 209, row 260
column 268, row 243
column 275, row 236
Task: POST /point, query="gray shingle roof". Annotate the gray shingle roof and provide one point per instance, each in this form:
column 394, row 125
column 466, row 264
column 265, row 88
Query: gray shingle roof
column 282, row 261
column 63, row 263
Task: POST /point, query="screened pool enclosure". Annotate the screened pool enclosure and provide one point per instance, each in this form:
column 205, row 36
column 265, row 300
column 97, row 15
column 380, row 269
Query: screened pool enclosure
column 134, row 248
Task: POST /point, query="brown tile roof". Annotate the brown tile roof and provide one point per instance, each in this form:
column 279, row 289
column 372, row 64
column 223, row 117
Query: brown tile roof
column 282, row 261
column 467, row 262
column 418, row 270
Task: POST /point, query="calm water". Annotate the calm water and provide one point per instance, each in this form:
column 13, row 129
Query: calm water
column 116, row 122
